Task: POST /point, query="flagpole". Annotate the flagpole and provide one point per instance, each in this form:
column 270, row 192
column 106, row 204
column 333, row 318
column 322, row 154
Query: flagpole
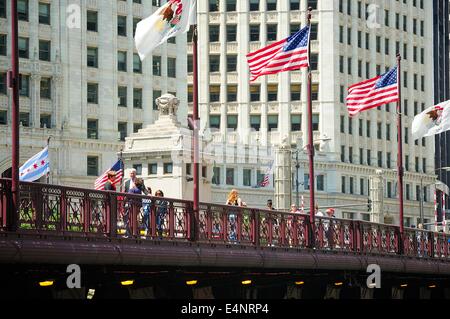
column 48, row 172
column 400, row 171
column 310, row 146
column 123, row 169
column 13, row 83
column 195, row 119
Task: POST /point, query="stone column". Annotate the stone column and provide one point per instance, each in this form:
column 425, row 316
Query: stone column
column 283, row 177
column 376, row 196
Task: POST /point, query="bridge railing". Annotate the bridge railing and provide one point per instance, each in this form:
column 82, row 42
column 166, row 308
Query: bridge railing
column 70, row 211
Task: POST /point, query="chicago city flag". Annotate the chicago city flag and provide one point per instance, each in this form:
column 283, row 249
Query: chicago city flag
column 35, row 167
column 172, row 18
column 434, row 120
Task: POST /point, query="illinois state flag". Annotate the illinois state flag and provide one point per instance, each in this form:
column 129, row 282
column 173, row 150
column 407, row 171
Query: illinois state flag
column 434, row 120
column 35, row 167
column 172, row 18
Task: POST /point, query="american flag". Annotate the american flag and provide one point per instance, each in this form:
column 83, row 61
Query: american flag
column 285, row 55
column 371, row 93
column 265, row 181
column 101, row 181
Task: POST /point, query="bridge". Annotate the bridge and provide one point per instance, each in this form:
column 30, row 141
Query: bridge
column 163, row 242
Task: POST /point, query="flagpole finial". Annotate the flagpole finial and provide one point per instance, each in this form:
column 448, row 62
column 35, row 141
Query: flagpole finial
column 48, row 140
column 399, row 56
column 309, row 15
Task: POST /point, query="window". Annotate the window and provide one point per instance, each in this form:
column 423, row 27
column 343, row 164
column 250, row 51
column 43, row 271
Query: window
column 271, row 32
column 406, row 135
column 388, row 160
column 2, row 8
column 368, row 129
column 295, row 27
column 349, row 65
column 352, row 185
column 350, row 126
column 231, row 32
column 424, row 165
column 216, row 176
column 157, row 65
column 214, row 31
column 408, row 192
column 379, row 131
column 22, row 10
column 294, row 5
column 407, row 162
column 92, row 93
column 152, row 169
column 2, row 83
column 255, row 92
column 214, row 93
column 389, row 189
column 46, row 85
column 361, row 157
column 23, row 48
column 255, row 122
column 24, row 85
column 92, row 129
column 342, row 124
column 272, row 122
column 122, row 95
column 232, row 93
column 315, row 92
column 254, row 32
column 24, row 119
column 137, row 98
column 190, row 91
column 247, row 177
column 44, row 13
column 92, row 166
column 314, row 61
column 315, row 120
column 341, row 64
column 171, row 67
column 342, row 153
column 122, row 25
column 312, row 4
column 313, row 32
column 44, row 50
column 138, row 168
column 350, row 154
column 306, row 182
column 295, row 92
column 156, row 94
column 232, row 122
column 230, row 176
column 3, row 117
column 91, row 21
column 214, row 121
column 271, row 5
column 122, row 61
column 135, row 22
column 92, row 57
column 369, row 158
column 272, row 90
column 360, row 127
column 213, row 5
column 254, row 5
column 388, row 132
column 168, row 168
column 214, row 63
column 416, row 165
column 386, row 46
column 122, row 129
column 231, row 5
column 3, row 45
column 231, row 63
column 296, row 122
column 343, row 182
column 320, row 182
column 380, row 158
column 137, row 64
column 136, row 127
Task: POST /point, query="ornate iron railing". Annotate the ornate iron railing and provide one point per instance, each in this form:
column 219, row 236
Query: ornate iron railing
column 69, row 211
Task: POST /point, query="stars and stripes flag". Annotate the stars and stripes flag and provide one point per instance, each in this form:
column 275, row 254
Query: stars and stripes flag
column 285, row 55
column 101, row 181
column 35, row 167
column 366, row 95
column 266, row 180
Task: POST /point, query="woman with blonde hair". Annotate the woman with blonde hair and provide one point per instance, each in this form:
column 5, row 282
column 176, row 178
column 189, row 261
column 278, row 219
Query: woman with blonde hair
column 233, row 200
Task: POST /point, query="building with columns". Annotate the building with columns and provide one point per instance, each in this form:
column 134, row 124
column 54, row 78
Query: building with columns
column 351, row 41
column 82, row 82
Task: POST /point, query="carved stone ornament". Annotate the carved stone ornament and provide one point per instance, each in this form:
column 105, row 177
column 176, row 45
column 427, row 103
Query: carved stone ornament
column 167, row 104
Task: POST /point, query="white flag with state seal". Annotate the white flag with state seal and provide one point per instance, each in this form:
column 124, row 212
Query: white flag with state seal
column 173, row 18
column 434, row 120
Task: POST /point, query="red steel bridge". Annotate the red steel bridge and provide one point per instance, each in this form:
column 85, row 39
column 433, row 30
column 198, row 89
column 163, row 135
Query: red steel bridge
column 154, row 237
